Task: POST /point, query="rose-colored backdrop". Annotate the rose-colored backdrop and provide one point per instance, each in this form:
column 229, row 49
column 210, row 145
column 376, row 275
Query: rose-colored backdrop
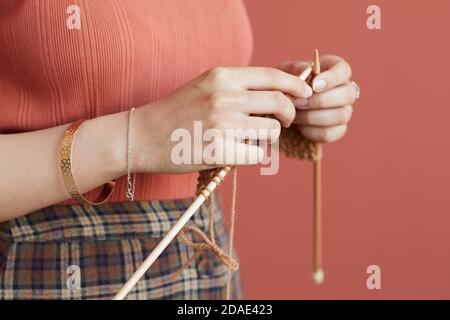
column 386, row 184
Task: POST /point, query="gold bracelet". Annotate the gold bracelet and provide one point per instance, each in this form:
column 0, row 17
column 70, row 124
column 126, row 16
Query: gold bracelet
column 66, row 169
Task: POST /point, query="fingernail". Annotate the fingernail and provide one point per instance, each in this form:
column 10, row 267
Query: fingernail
column 319, row 84
column 308, row 91
column 301, row 103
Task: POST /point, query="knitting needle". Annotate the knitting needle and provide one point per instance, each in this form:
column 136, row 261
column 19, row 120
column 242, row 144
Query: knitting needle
column 131, row 283
column 304, row 75
column 307, row 72
column 162, row 245
column 318, row 273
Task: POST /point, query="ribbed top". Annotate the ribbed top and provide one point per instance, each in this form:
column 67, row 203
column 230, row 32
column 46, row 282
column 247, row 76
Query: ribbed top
column 126, row 53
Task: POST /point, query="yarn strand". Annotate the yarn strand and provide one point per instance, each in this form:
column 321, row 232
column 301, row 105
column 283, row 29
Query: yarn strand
column 233, row 213
column 209, row 243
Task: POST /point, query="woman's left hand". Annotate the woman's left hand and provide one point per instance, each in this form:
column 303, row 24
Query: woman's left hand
column 324, row 116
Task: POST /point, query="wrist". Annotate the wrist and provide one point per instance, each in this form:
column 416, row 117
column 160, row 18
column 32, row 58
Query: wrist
column 112, row 131
column 99, row 151
column 111, row 143
column 142, row 138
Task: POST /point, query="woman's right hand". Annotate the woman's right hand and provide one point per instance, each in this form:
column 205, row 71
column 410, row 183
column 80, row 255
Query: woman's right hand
column 221, row 98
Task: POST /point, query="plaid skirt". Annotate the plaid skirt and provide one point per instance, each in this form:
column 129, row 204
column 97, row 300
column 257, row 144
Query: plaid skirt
column 87, row 252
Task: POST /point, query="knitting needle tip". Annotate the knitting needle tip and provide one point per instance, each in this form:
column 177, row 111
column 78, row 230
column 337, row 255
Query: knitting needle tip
column 316, row 65
column 306, row 73
column 318, row 276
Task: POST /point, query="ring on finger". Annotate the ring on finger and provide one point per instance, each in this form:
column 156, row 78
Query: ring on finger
column 357, row 89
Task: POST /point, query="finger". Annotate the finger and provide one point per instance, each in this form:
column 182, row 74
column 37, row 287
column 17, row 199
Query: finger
column 295, row 67
column 340, row 96
column 265, row 102
column 321, row 134
column 247, row 154
column 259, row 78
column 337, row 71
column 325, row 117
column 234, row 153
column 251, row 128
column 267, row 129
column 261, row 123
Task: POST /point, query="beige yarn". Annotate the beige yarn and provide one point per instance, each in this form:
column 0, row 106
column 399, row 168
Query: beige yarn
column 294, row 145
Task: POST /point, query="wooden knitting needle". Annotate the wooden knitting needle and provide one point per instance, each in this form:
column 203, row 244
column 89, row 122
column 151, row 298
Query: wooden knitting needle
column 306, row 73
column 162, row 245
column 318, row 274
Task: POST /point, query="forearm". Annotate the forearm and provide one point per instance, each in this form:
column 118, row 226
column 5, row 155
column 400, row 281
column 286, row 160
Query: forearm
column 30, row 177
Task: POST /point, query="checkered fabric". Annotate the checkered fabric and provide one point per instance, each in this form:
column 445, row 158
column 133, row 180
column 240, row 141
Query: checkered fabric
column 87, row 252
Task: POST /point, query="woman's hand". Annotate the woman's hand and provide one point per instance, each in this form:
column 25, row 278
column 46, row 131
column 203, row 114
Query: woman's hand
column 324, row 116
column 221, row 98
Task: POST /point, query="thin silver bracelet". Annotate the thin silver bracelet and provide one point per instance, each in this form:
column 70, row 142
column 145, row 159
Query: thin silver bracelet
column 131, row 177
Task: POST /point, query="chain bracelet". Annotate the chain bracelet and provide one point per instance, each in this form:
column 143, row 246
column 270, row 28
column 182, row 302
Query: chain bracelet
column 131, row 177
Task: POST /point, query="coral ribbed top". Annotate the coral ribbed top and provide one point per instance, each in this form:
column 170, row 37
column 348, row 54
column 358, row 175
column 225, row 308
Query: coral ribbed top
column 126, row 53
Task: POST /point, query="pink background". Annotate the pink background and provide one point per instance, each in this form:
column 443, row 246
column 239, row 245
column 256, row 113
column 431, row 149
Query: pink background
column 386, row 185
